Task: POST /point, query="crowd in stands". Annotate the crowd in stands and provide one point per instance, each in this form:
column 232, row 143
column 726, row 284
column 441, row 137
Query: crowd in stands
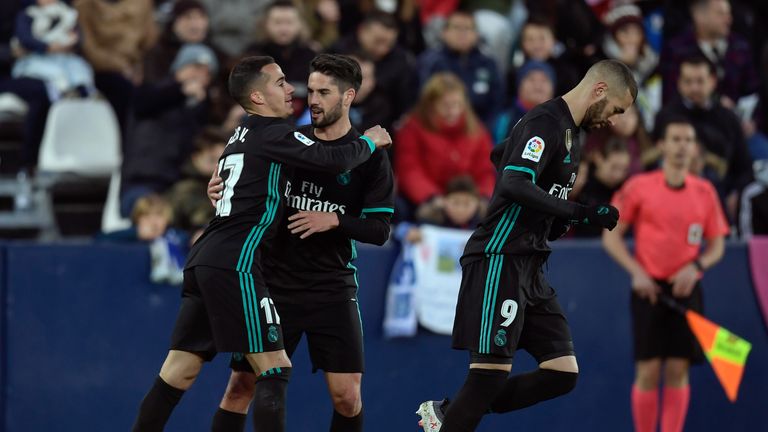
column 448, row 78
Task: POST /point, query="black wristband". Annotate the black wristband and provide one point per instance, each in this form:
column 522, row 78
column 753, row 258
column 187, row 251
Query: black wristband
column 699, row 266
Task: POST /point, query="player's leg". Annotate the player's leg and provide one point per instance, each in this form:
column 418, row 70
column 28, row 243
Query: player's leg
column 268, row 406
column 648, row 334
column 547, row 337
column 344, row 389
column 191, row 345
column 488, row 323
column 233, row 409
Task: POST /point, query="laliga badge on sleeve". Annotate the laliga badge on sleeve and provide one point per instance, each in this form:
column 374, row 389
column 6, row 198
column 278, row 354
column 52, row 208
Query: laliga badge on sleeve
column 303, row 138
column 533, row 150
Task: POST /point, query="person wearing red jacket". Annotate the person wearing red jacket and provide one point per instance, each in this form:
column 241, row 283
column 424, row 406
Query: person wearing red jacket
column 441, row 139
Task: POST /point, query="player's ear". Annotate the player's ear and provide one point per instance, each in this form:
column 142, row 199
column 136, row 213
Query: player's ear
column 600, row 90
column 349, row 96
column 256, row 97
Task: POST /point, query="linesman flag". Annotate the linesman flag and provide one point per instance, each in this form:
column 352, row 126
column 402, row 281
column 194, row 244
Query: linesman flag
column 726, row 352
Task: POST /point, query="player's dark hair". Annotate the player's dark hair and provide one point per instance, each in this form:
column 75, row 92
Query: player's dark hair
column 462, row 183
column 344, row 70
column 699, row 60
column 617, row 73
column 245, row 76
column 380, row 17
column 210, row 137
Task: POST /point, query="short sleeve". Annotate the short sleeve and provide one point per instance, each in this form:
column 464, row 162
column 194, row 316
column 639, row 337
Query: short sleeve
column 716, row 224
column 533, row 146
column 627, row 201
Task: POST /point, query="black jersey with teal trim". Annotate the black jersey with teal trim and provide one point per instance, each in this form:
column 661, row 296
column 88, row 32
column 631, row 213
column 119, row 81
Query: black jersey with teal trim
column 319, row 268
column 544, row 146
column 254, row 185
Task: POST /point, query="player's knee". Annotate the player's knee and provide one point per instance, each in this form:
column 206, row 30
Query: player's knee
column 180, row 369
column 239, row 392
column 346, row 401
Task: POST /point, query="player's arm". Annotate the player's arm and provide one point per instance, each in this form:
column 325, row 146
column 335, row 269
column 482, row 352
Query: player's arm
column 285, row 144
column 527, row 160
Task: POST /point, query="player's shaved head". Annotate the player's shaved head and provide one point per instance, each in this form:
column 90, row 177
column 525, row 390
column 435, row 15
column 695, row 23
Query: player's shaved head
column 247, row 76
column 614, row 73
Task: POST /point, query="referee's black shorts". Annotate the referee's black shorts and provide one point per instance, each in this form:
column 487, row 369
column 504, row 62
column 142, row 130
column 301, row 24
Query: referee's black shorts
column 661, row 332
column 506, row 304
column 225, row 311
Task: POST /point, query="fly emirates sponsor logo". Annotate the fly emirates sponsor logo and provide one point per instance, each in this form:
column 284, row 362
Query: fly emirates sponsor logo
column 561, row 191
column 309, row 198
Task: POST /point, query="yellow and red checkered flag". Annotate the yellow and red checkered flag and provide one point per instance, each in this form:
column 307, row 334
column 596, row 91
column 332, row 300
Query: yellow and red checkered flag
column 726, row 352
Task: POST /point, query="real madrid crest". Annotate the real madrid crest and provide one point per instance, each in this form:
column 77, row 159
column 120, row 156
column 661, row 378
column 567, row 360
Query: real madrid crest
column 568, row 140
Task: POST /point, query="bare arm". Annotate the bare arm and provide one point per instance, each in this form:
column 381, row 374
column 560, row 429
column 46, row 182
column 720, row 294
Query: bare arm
column 614, row 244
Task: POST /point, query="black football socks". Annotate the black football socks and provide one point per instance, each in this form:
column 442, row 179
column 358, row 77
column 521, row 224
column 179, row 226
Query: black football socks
column 228, row 421
column 339, row 423
column 473, row 399
column 527, row 389
column 157, row 406
column 268, row 406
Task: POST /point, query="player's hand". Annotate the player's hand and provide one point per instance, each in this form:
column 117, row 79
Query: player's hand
column 215, row 186
column 379, row 136
column 310, row 222
column 684, row 280
column 602, row 215
column 645, row 287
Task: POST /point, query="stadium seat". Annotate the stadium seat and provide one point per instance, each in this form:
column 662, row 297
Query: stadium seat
column 81, row 137
column 110, row 218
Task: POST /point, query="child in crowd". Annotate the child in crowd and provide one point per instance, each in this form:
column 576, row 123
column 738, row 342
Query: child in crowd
column 461, row 207
column 45, row 41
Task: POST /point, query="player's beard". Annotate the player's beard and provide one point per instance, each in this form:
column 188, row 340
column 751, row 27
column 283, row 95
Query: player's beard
column 592, row 116
column 329, row 117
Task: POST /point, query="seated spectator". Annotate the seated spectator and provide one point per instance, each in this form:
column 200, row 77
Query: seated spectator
column 285, row 40
column 498, row 23
column 628, row 129
column 461, row 206
column 376, row 39
column 606, row 172
column 626, row 41
column 232, row 23
column 753, row 215
column 717, row 129
column 537, row 42
column 167, row 116
column 441, row 139
column 712, row 38
column 116, row 34
column 191, row 208
column 151, row 218
column 535, row 85
column 460, row 54
column 45, row 41
column 322, row 18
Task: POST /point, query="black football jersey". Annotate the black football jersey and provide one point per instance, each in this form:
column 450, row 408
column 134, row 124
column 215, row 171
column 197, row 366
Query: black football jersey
column 544, row 145
column 254, row 188
column 319, row 268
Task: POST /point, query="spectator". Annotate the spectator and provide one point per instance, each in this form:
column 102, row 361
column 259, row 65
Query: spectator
column 461, row 206
column 717, row 129
column 115, row 36
column 537, row 42
column 712, row 38
column 191, row 208
column 535, row 85
column 627, row 128
column 167, row 116
column 376, row 39
column 461, row 55
column 497, row 23
column 606, row 172
column 626, row 41
column 322, row 18
column 441, row 139
column 433, row 14
column 45, row 42
column 232, row 23
column 753, row 215
column 284, row 41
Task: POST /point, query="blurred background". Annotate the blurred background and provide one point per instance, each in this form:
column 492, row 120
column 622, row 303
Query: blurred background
column 113, row 114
